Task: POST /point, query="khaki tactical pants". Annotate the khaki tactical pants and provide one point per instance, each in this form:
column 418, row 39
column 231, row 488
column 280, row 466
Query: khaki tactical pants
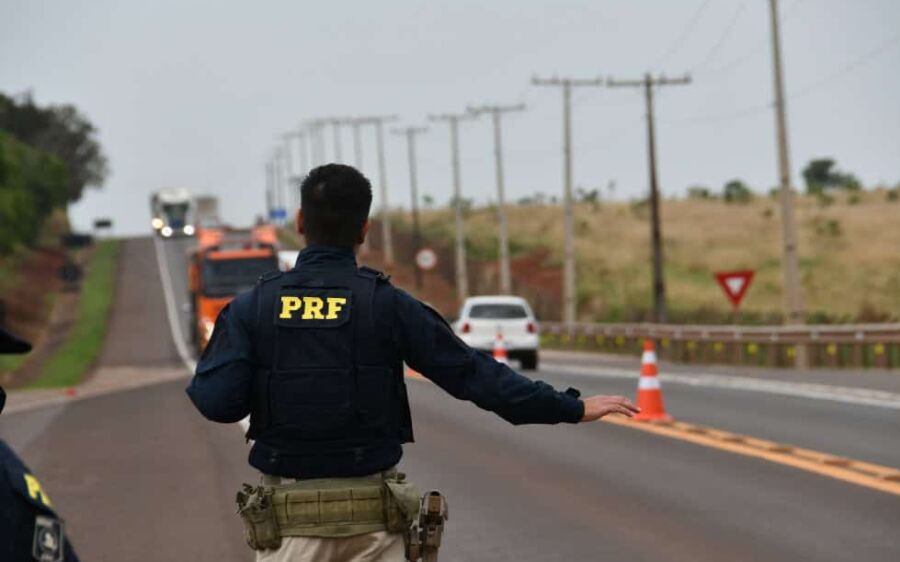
column 380, row 546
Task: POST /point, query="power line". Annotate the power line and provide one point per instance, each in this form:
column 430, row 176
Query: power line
column 682, row 37
column 717, row 46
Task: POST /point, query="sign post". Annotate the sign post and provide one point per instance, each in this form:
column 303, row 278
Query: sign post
column 426, row 260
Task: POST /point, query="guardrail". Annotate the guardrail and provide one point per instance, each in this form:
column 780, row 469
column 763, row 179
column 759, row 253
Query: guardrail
column 848, row 345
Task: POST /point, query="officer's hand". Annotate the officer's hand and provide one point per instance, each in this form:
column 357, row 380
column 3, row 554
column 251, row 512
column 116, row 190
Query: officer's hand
column 595, row 407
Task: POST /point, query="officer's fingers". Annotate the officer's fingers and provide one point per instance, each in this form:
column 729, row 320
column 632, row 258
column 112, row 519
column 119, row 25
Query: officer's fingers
column 625, row 402
column 616, row 409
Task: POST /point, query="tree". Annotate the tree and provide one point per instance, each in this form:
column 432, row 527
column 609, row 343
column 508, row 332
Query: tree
column 60, row 130
column 736, row 191
column 699, row 192
column 820, row 175
column 32, row 184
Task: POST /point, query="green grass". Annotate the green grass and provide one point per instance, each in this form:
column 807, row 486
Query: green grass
column 73, row 359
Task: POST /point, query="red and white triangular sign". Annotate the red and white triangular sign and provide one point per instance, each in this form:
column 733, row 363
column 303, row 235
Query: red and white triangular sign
column 735, row 284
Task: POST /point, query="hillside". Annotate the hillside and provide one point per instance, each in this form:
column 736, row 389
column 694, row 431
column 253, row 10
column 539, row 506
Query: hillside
column 850, row 261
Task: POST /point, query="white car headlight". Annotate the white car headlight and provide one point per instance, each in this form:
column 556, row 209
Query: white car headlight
column 189, row 230
column 166, row 231
column 156, row 223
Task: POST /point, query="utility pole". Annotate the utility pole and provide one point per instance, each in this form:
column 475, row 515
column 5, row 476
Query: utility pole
column 462, row 278
column 659, row 283
column 357, row 143
column 293, row 201
column 317, row 140
column 270, row 181
column 288, row 198
column 387, row 239
column 496, row 112
column 336, row 129
column 570, row 301
column 410, row 133
column 277, row 174
column 792, row 290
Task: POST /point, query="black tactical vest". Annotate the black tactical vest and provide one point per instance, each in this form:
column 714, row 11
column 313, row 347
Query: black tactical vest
column 330, row 385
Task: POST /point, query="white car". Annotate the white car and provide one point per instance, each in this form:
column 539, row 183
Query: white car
column 483, row 318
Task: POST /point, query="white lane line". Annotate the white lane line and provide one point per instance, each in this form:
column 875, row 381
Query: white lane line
column 175, row 319
column 172, row 307
column 845, row 395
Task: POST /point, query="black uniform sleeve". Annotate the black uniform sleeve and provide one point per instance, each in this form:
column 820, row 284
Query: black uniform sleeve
column 221, row 386
column 429, row 346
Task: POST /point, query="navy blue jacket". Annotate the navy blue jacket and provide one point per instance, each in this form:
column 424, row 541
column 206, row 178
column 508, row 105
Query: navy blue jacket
column 28, row 524
column 221, row 387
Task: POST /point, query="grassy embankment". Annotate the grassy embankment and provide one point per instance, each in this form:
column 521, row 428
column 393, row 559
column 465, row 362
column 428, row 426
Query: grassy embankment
column 850, row 263
column 74, row 358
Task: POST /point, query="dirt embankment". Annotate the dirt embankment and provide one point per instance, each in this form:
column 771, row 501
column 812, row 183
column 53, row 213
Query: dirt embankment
column 533, row 276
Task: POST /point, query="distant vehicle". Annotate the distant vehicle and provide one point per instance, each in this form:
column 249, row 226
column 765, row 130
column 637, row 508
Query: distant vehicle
column 483, row 318
column 223, row 264
column 173, row 212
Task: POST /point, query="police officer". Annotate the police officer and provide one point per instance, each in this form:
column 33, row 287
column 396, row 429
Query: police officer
column 315, row 357
column 29, row 528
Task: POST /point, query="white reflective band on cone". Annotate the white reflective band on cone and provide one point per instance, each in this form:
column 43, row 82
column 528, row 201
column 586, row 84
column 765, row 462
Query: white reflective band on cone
column 648, row 383
column 648, row 357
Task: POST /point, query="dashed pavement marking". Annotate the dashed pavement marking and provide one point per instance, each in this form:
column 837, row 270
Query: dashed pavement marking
column 874, row 476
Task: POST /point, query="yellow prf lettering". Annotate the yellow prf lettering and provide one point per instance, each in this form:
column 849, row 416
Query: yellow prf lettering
column 288, row 305
column 35, row 490
column 312, row 308
column 335, row 305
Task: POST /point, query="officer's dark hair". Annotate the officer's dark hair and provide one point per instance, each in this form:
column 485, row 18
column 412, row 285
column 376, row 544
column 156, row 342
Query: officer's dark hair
column 335, row 200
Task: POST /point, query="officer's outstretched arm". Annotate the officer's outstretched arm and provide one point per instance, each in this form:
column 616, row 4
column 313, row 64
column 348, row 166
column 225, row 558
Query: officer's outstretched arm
column 222, row 382
column 430, row 347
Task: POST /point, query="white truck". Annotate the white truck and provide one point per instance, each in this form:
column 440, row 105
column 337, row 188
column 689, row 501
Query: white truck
column 172, row 210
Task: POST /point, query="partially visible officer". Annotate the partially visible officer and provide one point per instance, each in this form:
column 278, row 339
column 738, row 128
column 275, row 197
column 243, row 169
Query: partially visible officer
column 29, row 528
column 315, row 357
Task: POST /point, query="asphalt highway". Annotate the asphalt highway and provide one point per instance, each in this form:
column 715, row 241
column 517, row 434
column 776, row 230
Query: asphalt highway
column 140, row 476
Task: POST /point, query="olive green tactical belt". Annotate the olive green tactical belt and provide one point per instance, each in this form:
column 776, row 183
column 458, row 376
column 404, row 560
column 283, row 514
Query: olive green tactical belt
column 327, row 507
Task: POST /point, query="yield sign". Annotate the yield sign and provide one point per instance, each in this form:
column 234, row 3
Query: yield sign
column 735, row 284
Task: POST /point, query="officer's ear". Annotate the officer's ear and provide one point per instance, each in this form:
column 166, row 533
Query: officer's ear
column 300, row 222
column 363, row 233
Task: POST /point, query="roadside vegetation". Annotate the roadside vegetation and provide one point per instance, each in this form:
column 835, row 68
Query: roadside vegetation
column 68, row 364
column 48, row 156
column 848, row 247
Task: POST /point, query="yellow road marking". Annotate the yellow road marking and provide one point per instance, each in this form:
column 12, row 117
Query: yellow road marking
column 874, row 476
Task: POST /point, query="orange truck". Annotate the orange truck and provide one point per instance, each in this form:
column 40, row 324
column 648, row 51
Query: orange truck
column 224, row 263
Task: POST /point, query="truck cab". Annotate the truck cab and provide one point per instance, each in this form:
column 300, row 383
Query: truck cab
column 223, row 264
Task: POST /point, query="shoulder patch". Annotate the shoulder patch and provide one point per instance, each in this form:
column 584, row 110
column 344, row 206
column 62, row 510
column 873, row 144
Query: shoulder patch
column 379, row 275
column 49, row 539
column 299, row 307
column 22, row 481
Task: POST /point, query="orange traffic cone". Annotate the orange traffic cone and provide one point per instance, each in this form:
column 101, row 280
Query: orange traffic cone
column 500, row 354
column 649, row 398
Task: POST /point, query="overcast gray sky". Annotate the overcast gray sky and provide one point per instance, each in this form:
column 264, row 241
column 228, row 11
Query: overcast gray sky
column 193, row 93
